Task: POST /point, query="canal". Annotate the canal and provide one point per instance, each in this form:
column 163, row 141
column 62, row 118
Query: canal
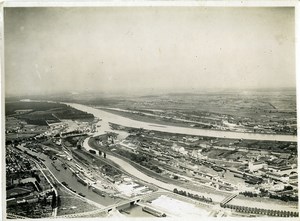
column 65, row 175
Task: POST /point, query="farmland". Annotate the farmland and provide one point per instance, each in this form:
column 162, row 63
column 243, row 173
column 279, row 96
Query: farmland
column 43, row 113
column 264, row 112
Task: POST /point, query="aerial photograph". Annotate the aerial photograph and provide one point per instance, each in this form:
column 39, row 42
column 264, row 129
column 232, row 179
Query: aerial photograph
column 147, row 112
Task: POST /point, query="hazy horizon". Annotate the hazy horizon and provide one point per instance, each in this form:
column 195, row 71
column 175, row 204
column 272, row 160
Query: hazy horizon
column 147, row 50
column 107, row 94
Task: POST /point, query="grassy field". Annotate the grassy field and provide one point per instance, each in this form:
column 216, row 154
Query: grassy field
column 70, row 204
column 275, row 111
column 210, row 112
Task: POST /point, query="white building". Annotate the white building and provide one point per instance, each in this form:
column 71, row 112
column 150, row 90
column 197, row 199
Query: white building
column 255, row 166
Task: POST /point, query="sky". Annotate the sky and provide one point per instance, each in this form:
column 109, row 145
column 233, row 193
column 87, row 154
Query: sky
column 141, row 49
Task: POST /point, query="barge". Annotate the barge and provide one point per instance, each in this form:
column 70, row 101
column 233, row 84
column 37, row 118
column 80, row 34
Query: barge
column 153, row 212
column 99, row 192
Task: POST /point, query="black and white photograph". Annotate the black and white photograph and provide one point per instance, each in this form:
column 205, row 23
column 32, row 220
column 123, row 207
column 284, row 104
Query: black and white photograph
column 183, row 112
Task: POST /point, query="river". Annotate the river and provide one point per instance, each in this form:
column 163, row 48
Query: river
column 108, row 117
column 116, row 119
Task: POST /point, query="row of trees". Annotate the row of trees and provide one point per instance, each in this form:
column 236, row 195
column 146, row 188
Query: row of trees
column 284, row 197
column 54, row 200
column 193, row 196
column 20, row 140
column 268, row 212
column 249, row 194
column 265, row 193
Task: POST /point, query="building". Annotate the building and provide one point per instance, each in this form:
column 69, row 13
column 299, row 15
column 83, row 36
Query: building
column 277, row 176
column 255, row 166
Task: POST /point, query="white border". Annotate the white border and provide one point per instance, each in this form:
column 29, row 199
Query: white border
column 142, row 3
column 130, row 3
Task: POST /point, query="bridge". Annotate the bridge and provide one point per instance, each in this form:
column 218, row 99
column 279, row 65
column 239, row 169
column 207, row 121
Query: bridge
column 228, row 199
column 108, row 208
column 136, row 200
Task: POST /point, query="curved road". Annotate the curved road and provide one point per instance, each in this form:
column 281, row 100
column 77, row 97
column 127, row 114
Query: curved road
column 116, row 119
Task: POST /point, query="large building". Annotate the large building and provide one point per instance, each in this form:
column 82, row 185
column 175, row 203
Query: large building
column 255, row 166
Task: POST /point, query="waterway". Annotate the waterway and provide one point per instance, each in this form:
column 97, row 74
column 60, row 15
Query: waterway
column 65, row 175
column 117, row 119
column 135, row 172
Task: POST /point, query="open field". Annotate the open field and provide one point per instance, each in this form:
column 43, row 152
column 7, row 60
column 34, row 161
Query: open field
column 270, row 112
column 70, row 204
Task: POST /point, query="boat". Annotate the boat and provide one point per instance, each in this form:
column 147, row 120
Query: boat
column 64, row 166
column 124, row 211
column 238, row 176
column 218, row 169
column 55, row 166
column 253, row 181
column 82, row 181
column 80, row 194
column 99, row 192
column 72, row 189
column 153, row 212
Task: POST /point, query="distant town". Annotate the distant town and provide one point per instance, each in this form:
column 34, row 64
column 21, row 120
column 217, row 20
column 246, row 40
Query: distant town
column 121, row 159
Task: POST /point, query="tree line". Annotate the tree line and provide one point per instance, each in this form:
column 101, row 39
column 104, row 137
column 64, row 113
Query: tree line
column 267, row 212
column 193, row 196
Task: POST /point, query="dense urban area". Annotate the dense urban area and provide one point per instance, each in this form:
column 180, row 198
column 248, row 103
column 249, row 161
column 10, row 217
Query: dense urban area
column 175, row 155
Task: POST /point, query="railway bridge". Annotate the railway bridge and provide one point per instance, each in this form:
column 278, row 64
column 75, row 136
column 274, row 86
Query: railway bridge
column 228, row 199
